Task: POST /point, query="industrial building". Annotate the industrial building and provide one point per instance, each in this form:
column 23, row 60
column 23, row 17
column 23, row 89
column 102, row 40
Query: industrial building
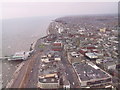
column 107, row 64
column 90, row 75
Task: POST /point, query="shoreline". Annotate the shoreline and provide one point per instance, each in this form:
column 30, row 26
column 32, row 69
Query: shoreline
column 35, row 43
column 18, row 65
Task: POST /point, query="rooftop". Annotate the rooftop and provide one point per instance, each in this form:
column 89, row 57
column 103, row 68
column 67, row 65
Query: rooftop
column 49, row 73
column 91, row 55
column 58, row 41
column 109, row 63
column 87, row 72
column 20, row 53
column 74, row 54
column 49, row 68
column 50, row 78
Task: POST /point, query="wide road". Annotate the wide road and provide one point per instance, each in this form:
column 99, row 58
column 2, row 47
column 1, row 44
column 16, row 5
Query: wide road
column 28, row 74
column 34, row 73
column 33, row 77
column 22, row 78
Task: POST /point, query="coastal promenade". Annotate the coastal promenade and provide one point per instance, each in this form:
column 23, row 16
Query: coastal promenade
column 22, row 76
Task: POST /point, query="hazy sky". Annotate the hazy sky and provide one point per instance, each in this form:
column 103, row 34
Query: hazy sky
column 32, row 9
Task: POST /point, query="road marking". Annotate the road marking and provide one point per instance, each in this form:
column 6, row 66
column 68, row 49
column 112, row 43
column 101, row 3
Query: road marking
column 30, row 61
column 24, row 75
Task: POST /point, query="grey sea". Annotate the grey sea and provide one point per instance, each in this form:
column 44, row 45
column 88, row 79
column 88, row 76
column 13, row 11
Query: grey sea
column 17, row 35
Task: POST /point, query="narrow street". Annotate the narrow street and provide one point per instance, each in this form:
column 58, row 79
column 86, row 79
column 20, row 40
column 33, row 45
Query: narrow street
column 71, row 75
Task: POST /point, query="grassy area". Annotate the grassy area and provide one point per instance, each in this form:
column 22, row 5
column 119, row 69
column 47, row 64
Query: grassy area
column 41, row 46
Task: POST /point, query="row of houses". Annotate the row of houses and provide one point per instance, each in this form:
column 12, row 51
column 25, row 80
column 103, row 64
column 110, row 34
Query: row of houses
column 86, row 44
column 51, row 73
column 83, row 53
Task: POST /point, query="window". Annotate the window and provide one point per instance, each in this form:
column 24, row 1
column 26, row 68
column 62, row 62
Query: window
column 98, row 82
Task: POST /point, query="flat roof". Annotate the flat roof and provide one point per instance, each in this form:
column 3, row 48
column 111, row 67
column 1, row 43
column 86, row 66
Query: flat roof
column 58, row 41
column 48, row 80
column 21, row 54
column 74, row 54
column 109, row 63
column 49, row 73
column 91, row 55
column 87, row 72
column 49, row 68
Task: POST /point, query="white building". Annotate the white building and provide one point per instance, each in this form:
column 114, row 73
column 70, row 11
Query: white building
column 20, row 56
column 60, row 30
column 91, row 55
column 45, row 59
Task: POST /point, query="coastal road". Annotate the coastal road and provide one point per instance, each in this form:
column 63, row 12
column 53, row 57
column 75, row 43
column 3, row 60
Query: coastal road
column 28, row 74
column 33, row 77
column 23, row 76
column 34, row 73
